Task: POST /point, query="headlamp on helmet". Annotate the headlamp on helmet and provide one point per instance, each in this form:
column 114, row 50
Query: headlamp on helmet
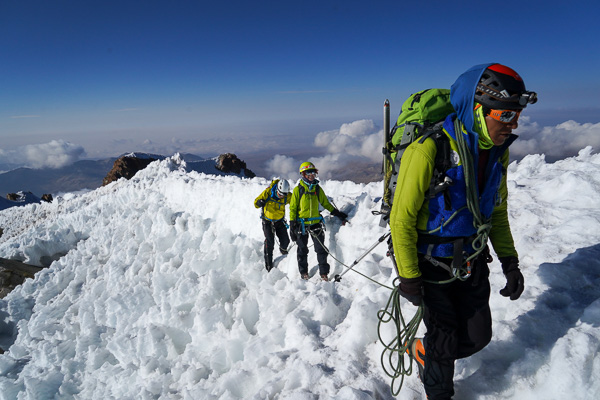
column 500, row 87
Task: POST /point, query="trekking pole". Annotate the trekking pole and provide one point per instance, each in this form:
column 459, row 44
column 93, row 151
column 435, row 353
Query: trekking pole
column 386, row 132
column 338, row 277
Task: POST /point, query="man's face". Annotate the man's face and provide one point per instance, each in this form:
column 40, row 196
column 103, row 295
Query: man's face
column 500, row 131
column 310, row 176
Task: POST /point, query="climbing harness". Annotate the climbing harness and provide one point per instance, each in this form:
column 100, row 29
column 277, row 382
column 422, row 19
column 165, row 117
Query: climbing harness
column 303, row 222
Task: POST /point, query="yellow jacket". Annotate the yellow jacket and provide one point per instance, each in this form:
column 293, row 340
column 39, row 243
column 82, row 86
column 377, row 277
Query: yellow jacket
column 274, row 209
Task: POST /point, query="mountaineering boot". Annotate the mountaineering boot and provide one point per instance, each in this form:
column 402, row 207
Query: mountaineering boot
column 283, row 251
column 304, row 276
column 417, row 352
column 324, row 278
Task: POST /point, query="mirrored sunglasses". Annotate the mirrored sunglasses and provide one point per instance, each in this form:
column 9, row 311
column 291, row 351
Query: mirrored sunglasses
column 505, row 116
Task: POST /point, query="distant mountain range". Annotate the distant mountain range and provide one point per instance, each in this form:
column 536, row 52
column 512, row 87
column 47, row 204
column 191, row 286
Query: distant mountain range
column 88, row 174
column 85, row 174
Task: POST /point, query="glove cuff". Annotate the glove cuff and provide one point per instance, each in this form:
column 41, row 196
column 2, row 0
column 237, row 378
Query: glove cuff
column 509, row 263
column 411, row 286
column 410, row 280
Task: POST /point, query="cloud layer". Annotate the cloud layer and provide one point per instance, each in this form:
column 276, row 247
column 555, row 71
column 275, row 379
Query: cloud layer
column 555, row 142
column 360, row 142
column 54, row 154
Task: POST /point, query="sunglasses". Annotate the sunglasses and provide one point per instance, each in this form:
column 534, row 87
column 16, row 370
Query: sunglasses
column 505, row 116
column 313, row 172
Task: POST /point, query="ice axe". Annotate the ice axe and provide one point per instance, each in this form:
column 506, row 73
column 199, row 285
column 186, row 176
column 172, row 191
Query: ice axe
column 338, row 277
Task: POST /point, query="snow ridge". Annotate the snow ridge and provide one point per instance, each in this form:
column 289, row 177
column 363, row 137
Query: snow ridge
column 159, row 291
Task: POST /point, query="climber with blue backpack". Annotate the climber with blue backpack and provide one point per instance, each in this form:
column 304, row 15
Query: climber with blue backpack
column 450, row 197
column 305, row 219
column 272, row 202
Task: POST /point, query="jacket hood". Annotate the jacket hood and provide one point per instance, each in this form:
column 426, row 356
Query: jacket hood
column 462, row 94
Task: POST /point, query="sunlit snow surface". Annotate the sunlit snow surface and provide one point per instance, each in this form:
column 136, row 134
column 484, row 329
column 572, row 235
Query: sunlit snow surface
column 159, row 292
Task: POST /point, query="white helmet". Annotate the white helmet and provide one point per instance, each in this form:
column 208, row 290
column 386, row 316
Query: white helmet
column 283, row 187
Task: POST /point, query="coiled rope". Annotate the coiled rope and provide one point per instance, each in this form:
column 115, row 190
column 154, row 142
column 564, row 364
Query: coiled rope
column 392, row 356
column 482, row 224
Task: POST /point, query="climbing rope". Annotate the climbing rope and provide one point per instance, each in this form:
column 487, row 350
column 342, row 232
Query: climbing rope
column 392, row 357
column 482, row 224
column 315, row 237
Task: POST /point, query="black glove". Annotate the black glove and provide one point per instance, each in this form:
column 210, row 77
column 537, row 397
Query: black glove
column 261, row 203
column 412, row 290
column 515, row 283
column 293, row 230
column 341, row 215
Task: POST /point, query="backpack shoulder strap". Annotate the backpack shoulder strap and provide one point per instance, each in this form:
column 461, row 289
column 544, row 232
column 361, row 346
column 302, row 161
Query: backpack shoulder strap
column 302, row 190
column 439, row 181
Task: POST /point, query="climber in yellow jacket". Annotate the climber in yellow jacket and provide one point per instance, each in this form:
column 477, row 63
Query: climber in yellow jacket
column 272, row 201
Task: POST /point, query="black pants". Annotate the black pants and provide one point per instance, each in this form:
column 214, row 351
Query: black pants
column 270, row 228
column 317, row 233
column 458, row 321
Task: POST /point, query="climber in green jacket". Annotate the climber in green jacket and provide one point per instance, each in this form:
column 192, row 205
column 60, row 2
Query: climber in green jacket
column 440, row 239
column 306, row 219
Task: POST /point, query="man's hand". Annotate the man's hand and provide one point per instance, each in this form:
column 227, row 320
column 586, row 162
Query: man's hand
column 341, row 215
column 515, row 283
column 412, row 290
column 261, row 203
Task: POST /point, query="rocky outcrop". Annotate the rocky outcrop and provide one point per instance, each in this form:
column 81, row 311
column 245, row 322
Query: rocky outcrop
column 13, row 273
column 8, row 281
column 28, row 197
column 126, row 167
column 230, row 163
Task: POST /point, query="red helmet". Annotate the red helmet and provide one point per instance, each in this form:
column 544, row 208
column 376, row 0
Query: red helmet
column 500, row 87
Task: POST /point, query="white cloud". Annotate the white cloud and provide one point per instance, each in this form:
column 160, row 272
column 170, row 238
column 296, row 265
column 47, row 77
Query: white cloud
column 284, row 166
column 355, row 141
column 54, row 154
column 361, row 142
column 556, row 142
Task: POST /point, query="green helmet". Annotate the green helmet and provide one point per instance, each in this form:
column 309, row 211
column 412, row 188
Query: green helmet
column 307, row 166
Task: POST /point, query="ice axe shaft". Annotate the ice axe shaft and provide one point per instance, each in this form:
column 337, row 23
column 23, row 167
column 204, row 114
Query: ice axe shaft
column 338, row 277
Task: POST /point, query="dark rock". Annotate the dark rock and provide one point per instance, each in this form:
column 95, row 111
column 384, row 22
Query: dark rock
column 47, row 198
column 126, row 167
column 8, row 281
column 230, row 163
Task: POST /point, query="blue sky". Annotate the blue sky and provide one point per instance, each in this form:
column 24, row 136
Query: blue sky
column 114, row 76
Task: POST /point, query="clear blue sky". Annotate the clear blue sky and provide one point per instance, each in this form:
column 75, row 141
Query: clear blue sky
column 109, row 75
